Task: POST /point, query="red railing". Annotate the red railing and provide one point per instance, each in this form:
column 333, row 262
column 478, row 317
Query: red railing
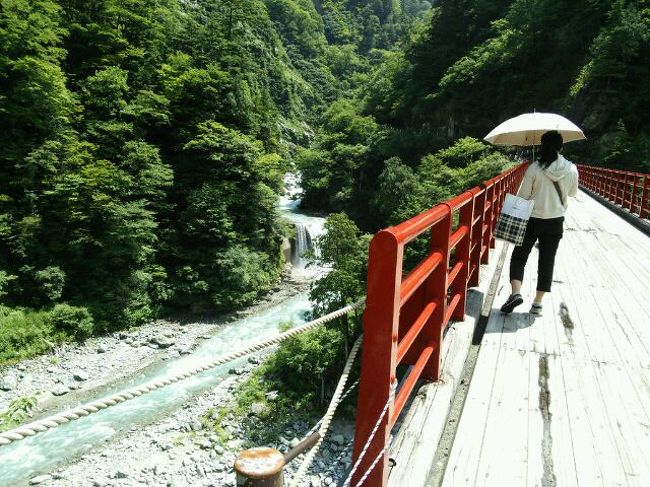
column 405, row 317
column 630, row 190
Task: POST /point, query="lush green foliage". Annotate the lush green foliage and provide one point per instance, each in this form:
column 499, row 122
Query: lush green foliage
column 17, row 413
column 142, row 147
column 274, row 412
column 23, row 333
column 310, row 364
column 473, row 64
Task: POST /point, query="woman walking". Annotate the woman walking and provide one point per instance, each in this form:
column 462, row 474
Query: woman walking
column 549, row 181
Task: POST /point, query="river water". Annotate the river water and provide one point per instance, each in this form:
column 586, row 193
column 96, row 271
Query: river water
column 22, row 460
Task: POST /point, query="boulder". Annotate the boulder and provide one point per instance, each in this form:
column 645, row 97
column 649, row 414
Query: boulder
column 60, row 390
column 40, row 479
column 162, row 341
column 80, row 375
column 9, row 382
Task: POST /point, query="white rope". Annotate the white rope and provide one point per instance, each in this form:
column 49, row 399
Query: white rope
column 345, row 394
column 374, row 463
column 327, row 419
column 391, row 395
column 54, row 421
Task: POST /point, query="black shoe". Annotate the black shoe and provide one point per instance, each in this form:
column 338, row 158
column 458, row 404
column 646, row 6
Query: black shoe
column 511, row 303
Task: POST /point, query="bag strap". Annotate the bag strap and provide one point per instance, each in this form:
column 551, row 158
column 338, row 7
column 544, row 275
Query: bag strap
column 559, row 191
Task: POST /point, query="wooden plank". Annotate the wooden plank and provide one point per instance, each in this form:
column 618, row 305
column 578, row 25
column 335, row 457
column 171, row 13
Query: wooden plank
column 421, row 428
column 606, row 441
column 594, row 339
column 465, row 454
column 504, row 455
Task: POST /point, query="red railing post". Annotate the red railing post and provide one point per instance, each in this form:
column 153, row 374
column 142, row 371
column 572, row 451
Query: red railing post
column 487, row 235
column 477, row 233
column 436, row 288
column 644, row 196
column 462, row 257
column 634, row 198
column 378, row 358
column 620, row 192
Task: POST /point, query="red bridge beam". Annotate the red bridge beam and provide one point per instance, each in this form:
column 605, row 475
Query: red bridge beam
column 405, row 316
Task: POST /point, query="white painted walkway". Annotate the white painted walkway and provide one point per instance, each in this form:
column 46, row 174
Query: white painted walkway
column 564, row 399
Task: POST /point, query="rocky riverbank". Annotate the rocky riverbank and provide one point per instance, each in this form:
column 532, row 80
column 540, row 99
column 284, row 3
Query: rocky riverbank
column 176, row 450
column 73, row 372
column 179, row 451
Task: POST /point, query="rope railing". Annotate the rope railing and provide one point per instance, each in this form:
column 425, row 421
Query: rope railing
column 327, row 418
column 84, row 410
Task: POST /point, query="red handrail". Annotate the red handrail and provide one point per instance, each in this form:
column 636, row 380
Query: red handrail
column 405, row 317
column 630, row 190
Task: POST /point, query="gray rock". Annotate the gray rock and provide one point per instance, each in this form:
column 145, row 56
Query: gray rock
column 60, row 390
column 162, row 341
column 100, row 482
column 102, row 349
column 120, row 474
column 40, row 479
column 236, row 371
column 219, row 449
column 339, row 439
column 257, row 408
column 9, row 382
column 254, row 360
column 80, row 375
column 294, row 443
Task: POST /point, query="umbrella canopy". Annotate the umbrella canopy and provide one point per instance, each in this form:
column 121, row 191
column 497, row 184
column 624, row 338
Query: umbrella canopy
column 527, row 129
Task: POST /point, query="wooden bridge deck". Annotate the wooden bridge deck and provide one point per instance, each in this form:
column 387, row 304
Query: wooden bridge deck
column 564, row 399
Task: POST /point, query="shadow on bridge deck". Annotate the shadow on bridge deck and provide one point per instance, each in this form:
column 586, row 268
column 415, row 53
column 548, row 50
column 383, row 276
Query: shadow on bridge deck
column 564, row 399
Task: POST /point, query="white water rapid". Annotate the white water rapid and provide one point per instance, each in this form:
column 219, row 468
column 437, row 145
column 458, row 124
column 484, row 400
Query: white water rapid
column 308, row 228
column 24, row 459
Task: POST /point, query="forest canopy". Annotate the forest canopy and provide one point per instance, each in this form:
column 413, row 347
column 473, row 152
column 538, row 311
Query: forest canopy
column 130, row 129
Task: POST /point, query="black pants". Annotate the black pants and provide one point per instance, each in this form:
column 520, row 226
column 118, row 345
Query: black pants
column 548, row 232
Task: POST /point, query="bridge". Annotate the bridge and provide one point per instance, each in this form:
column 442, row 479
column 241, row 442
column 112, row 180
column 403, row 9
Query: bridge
column 563, row 399
column 451, row 391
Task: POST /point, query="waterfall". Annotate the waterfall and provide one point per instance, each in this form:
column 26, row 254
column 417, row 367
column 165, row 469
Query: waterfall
column 303, row 243
column 307, row 228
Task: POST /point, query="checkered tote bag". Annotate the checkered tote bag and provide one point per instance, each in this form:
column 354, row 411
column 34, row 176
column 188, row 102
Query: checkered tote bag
column 513, row 219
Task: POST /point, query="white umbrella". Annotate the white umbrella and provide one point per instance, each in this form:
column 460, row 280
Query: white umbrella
column 527, row 129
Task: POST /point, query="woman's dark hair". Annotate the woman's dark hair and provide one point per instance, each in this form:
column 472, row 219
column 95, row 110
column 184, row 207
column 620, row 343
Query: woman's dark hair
column 551, row 145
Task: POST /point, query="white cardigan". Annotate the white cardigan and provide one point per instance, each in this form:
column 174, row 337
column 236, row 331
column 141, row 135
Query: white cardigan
column 538, row 185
